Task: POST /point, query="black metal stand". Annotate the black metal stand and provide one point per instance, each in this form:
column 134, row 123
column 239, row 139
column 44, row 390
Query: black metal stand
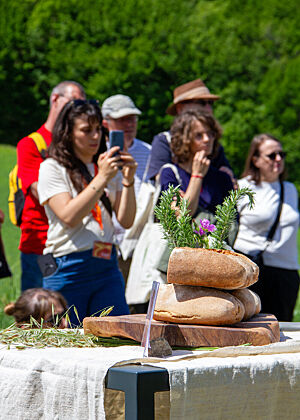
column 139, row 384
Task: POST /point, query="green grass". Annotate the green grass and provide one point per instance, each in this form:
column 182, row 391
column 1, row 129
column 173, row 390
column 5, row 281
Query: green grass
column 10, row 287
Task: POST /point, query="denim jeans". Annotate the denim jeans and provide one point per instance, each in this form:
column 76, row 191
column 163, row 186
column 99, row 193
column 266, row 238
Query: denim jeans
column 90, row 284
column 31, row 274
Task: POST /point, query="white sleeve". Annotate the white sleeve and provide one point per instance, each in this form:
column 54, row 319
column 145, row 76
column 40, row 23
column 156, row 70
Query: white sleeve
column 53, row 180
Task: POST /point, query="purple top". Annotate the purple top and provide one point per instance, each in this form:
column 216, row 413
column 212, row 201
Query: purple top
column 215, row 187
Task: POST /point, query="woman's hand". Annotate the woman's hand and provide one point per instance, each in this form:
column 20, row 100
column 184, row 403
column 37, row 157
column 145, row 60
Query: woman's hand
column 129, row 167
column 108, row 164
column 200, row 164
column 200, row 167
column 125, row 204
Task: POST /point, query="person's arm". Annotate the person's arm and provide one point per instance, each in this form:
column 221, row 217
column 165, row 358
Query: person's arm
column 125, row 204
column 71, row 210
column 199, row 170
column 33, row 189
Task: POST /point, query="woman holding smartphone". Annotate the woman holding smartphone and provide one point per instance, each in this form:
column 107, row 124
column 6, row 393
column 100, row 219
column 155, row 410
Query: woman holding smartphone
column 80, row 191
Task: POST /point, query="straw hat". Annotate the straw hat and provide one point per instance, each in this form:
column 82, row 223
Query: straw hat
column 191, row 90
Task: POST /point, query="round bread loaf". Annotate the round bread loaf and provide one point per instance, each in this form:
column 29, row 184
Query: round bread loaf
column 250, row 300
column 217, row 268
column 197, row 305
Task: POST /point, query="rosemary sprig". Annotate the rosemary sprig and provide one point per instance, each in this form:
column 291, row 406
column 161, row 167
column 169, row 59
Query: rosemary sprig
column 226, row 215
column 176, row 223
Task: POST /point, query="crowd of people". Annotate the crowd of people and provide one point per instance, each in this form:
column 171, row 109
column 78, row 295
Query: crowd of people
column 80, row 197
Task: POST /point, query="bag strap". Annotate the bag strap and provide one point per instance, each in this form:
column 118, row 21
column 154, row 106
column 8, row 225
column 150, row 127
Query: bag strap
column 40, row 143
column 158, row 186
column 167, row 134
column 88, row 178
column 275, row 224
column 146, row 169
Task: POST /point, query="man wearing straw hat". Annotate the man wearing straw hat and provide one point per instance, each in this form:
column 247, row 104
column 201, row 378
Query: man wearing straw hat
column 189, row 96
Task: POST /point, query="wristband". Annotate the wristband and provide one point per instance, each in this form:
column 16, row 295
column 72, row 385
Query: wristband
column 128, row 185
column 197, row 176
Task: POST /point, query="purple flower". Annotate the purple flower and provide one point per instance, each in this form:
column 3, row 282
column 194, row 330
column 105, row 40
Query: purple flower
column 205, row 223
column 207, row 226
column 201, row 231
column 211, row 228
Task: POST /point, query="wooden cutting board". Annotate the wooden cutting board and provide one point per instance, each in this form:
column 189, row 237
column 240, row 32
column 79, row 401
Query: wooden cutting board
column 259, row 330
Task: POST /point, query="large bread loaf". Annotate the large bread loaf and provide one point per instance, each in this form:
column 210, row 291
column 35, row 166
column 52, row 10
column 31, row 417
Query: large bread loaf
column 211, row 268
column 197, row 305
column 250, row 300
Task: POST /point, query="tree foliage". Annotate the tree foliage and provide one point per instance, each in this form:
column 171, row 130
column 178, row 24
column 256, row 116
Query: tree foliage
column 248, row 52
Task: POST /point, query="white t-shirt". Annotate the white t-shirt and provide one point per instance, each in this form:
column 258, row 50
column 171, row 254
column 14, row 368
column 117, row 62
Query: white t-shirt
column 255, row 224
column 61, row 239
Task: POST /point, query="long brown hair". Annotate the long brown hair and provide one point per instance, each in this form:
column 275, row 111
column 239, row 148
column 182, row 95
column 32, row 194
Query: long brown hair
column 61, row 147
column 250, row 169
column 181, row 133
column 34, row 303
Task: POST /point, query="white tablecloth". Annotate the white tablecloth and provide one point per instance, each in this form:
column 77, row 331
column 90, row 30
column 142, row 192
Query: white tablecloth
column 240, row 382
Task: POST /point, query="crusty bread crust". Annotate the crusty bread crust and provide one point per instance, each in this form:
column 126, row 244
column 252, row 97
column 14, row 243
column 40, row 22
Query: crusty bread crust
column 215, row 268
column 250, row 300
column 197, row 305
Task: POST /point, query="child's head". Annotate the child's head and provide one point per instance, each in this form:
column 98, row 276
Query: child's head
column 38, row 303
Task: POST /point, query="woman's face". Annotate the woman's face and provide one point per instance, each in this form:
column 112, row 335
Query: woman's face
column 270, row 161
column 86, row 138
column 202, row 139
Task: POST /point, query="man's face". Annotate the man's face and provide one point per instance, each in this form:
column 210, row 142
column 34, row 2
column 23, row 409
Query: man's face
column 204, row 105
column 128, row 124
column 71, row 92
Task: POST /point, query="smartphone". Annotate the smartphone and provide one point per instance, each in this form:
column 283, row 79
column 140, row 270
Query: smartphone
column 116, row 138
column 47, row 264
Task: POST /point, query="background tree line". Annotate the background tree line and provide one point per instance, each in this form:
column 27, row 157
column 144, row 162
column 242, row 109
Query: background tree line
column 246, row 51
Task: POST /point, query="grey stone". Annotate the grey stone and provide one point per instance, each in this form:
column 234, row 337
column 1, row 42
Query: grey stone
column 159, row 347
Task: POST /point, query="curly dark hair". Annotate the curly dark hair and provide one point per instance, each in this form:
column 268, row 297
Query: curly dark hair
column 181, row 133
column 61, row 147
column 36, row 303
column 250, row 169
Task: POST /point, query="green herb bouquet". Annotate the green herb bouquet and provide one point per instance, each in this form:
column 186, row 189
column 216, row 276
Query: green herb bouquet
column 180, row 230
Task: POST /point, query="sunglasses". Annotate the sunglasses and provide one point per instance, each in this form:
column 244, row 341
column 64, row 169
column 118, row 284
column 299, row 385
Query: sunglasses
column 56, row 318
column 202, row 102
column 80, row 102
column 272, row 156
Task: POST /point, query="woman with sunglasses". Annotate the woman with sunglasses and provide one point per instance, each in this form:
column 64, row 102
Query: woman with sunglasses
column 79, row 189
column 264, row 173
